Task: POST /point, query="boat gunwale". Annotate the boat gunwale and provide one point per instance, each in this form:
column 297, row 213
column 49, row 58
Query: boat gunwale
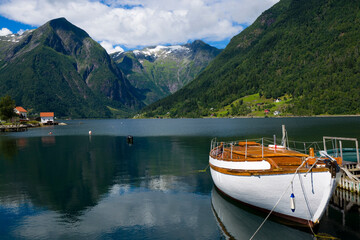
column 279, row 171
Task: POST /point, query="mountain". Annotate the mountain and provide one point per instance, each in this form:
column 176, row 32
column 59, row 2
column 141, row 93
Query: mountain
column 59, row 68
column 307, row 50
column 162, row 70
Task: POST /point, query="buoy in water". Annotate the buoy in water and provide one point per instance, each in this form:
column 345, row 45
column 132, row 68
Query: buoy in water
column 292, row 202
column 90, row 132
column 130, row 139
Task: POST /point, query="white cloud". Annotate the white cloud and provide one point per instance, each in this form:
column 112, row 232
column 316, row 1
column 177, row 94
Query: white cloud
column 4, row 32
column 132, row 23
column 110, row 48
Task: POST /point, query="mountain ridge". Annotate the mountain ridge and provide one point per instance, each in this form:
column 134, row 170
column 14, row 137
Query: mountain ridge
column 305, row 49
column 58, row 67
column 159, row 71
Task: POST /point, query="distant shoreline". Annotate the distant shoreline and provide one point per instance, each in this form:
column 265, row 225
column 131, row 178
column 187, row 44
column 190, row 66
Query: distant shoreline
column 324, row 116
column 272, row 117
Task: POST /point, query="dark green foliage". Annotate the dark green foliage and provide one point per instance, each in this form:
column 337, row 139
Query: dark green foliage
column 307, row 49
column 239, row 109
column 7, row 106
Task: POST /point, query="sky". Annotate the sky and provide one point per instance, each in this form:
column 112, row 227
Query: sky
column 133, row 24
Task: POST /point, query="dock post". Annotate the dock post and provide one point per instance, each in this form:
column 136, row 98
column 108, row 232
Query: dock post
column 357, row 153
column 341, row 152
column 283, row 135
column 246, row 149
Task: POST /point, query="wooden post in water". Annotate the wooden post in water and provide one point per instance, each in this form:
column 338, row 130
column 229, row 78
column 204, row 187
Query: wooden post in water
column 357, row 153
column 284, row 136
column 246, row 149
column 274, row 140
column 341, row 152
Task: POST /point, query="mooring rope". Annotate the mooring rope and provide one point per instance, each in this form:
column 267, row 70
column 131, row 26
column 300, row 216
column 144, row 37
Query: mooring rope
column 204, row 170
column 277, row 203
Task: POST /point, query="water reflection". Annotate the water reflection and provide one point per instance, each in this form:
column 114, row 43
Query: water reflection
column 8, row 148
column 69, row 174
column 160, row 215
column 21, row 143
column 48, row 140
column 237, row 222
column 63, row 174
column 342, row 217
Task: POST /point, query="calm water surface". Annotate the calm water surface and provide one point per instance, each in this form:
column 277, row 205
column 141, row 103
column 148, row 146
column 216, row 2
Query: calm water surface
column 69, row 185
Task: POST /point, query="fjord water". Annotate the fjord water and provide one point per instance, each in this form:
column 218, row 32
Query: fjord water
column 69, row 185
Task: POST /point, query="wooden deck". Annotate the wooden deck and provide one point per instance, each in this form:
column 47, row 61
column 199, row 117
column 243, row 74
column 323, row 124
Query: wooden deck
column 282, row 161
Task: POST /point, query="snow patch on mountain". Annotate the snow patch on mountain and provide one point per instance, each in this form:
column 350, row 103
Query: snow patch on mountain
column 14, row 37
column 161, row 51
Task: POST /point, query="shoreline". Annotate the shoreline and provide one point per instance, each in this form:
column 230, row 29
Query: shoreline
column 271, row 117
column 249, row 117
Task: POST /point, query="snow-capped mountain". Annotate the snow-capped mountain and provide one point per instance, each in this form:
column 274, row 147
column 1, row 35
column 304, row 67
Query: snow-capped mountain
column 162, row 51
column 162, row 70
column 16, row 37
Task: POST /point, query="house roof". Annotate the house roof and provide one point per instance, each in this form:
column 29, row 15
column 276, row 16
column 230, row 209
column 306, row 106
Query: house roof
column 47, row 114
column 21, row 109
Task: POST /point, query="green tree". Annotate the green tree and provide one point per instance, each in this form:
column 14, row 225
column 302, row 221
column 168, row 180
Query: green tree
column 7, row 106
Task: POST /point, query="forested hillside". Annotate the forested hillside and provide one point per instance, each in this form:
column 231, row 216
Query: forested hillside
column 305, row 49
column 59, row 68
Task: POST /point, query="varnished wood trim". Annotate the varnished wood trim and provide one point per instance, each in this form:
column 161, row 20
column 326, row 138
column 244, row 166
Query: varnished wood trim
column 249, row 144
column 277, row 154
column 238, row 172
column 272, row 163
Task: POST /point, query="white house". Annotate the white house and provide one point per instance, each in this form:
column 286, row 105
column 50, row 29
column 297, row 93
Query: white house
column 21, row 112
column 47, row 117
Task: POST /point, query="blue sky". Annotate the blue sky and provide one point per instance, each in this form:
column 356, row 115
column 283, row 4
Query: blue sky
column 134, row 24
column 13, row 26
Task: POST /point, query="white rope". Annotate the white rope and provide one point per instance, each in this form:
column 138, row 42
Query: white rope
column 258, row 229
column 305, row 196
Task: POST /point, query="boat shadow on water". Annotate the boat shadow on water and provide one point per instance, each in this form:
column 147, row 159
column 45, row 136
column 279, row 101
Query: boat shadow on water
column 239, row 221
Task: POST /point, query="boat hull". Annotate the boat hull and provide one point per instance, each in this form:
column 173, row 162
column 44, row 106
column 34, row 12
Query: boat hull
column 237, row 222
column 312, row 192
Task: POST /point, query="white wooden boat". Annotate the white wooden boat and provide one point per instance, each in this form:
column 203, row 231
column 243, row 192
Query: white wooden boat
column 290, row 184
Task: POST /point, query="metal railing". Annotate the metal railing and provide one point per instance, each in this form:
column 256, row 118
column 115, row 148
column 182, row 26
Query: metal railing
column 337, row 145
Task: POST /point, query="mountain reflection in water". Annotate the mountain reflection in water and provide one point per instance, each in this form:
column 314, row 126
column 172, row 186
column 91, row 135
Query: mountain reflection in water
column 76, row 187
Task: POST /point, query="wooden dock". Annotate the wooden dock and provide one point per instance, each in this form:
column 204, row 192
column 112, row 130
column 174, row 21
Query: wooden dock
column 13, row 128
column 350, row 177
